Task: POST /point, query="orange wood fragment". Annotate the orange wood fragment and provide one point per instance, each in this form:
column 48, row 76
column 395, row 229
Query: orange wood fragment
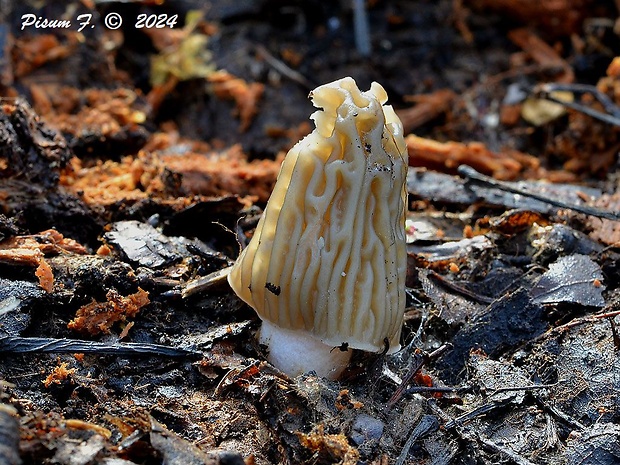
column 98, row 317
column 58, row 375
column 427, row 108
column 542, row 53
column 30, row 250
column 450, row 155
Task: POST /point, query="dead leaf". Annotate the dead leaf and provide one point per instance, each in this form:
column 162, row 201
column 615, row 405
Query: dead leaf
column 575, row 279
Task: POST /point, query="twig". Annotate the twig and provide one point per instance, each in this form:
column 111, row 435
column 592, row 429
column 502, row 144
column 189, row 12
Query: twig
column 583, row 109
column 529, row 387
column 541, row 52
column 460, row 290
column 205, row 283
column 427, row 424
column 471, row 174
column 435, row 354
column 574, row 424
column 284, row 69
column 613, row 111
column 494, row 447
column 418, row 359
column 25, row 345
column 427, row 107
column 433, row 389
column 578, row 322
column 477, row 412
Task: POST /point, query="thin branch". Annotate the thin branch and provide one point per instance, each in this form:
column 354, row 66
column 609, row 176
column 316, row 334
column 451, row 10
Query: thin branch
column 284, row 69
column 505, row 451
column 460, row 290
column 471, row 174
column 427, row 424
column 25, row 345
column 610, row 107
column 477, row 412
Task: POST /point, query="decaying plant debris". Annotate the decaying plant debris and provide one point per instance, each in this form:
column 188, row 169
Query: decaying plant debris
column 134, row 164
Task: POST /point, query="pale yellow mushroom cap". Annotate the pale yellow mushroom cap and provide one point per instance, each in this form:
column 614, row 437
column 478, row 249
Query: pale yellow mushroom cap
column 328, row 256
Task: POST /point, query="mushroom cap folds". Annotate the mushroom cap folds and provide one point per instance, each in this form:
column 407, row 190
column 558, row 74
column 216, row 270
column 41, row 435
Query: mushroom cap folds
column 328, row 256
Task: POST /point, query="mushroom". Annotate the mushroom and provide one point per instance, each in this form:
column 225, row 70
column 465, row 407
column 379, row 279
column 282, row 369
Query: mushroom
column 325, row 269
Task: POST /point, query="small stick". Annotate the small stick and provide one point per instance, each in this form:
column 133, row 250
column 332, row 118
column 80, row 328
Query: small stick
column 529, row 387
column 427, row 424
column 554, row 411
column 25, row 345
column 461, row 290
column 471, row 174
column 433, row 389
column 505, row 451
column 584, row 109
column 609, row 106
column 361, row 29
column 477, row 412
column 581, row 321
column 419, row 358
column 284, row 69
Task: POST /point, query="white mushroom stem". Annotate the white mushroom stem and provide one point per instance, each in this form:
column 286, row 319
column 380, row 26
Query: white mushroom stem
column 296, row 352
column 327, row 263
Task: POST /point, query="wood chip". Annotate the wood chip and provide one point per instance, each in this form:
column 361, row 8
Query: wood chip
column 542, row 53
column 449, row 155
column 98, row 317
column 427, row 108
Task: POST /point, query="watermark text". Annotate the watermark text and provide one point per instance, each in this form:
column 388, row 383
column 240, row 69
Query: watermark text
column 30, row 20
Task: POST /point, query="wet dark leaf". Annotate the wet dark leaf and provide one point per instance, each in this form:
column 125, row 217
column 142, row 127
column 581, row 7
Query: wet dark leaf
column 599, row 445
column 145, row 245
column 574, row 279
column 507, row 323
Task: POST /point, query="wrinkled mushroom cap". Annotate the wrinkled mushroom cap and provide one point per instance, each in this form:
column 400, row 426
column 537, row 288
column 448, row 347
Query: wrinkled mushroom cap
column 328, row 256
